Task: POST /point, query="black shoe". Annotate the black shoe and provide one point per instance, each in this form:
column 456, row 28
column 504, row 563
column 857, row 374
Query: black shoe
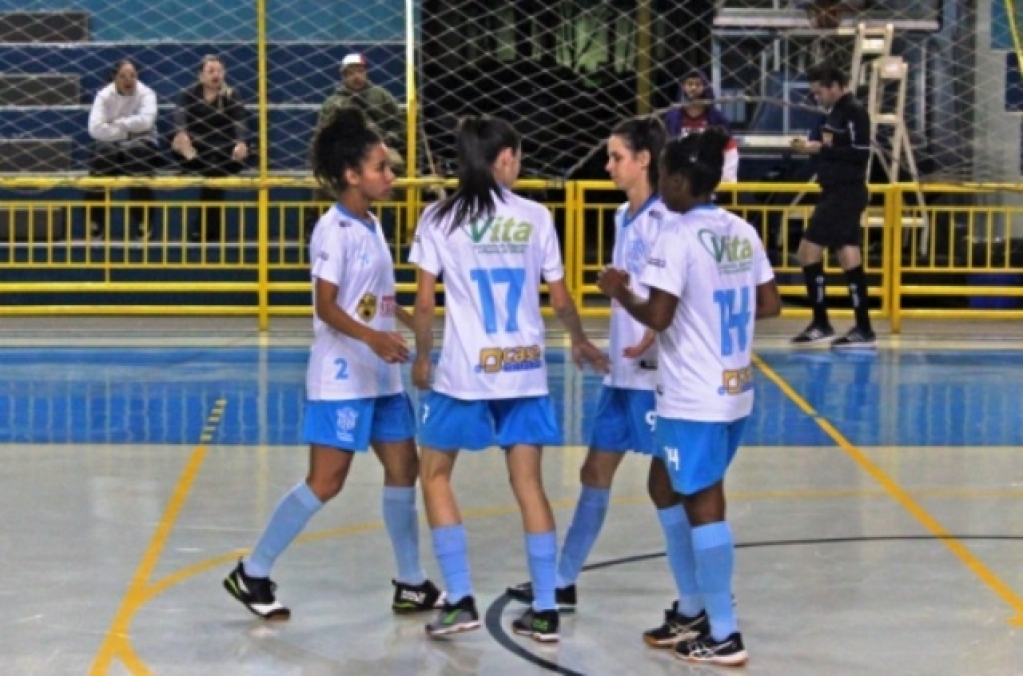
column 677, row 627
column 417, row 598
column 539, row 625
column 454, row 618
column 814, row 333
column 856, row 339
column 565, row 597
column 256, row 594
column 730, row 652
column 95, row 229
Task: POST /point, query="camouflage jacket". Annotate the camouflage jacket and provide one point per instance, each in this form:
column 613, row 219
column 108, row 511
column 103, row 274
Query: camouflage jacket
column 379, row 106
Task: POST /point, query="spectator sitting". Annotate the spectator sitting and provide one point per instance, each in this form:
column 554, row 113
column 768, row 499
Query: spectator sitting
column 695, row 112
column 123, row 124
column 210, row 140
column 376, row 103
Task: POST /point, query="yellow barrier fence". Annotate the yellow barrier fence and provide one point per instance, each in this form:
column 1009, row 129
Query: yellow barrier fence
column 955, row 256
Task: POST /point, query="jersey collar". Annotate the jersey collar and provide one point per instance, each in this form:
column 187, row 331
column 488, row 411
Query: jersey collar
column 627, row 220
column 370, row 224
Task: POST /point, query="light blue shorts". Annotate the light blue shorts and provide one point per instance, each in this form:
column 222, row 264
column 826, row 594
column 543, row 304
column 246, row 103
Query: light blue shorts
column 449, row 424
column 624, row 421
column 351, row 424
column 697, row 454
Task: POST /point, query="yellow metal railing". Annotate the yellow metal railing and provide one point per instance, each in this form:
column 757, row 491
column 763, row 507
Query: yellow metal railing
column 956, row 257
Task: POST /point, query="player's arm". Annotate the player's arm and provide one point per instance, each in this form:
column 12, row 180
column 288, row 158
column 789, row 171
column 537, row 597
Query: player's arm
column 768, row 300
column 422, row 327
column 656, row 312
column 583, row 351
column 403, row 316
column 634, row 351
column 390, row 347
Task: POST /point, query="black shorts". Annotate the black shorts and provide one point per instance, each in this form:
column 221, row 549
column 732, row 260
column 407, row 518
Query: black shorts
column 836, row 221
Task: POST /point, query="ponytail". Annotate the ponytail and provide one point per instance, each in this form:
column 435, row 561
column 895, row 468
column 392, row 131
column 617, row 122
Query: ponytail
column 481, row 139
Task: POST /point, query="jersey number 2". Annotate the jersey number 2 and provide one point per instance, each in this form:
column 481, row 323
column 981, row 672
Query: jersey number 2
column 486, row 280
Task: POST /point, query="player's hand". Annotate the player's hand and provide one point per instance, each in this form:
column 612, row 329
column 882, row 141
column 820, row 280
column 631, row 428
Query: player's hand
column 422, row 369
column 389, row 346
column 804, row 146
column 613, row 282
column 585, row 353
column 635, row 351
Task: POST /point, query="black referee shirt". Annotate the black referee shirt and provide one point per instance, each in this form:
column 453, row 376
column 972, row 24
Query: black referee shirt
column 845, row 144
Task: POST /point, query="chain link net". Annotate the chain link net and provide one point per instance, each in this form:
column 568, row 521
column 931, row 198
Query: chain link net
column 563, row 71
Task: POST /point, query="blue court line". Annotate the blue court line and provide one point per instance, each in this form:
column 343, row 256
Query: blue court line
column 161, row 395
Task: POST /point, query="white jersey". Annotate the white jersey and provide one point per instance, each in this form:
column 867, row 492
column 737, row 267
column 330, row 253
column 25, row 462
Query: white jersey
column 491, row 268
column 634, row 239
column 352, row 255
column 712, row 261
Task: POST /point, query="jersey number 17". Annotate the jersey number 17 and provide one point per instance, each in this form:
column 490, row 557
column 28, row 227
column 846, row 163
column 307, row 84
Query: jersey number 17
column 486, row 279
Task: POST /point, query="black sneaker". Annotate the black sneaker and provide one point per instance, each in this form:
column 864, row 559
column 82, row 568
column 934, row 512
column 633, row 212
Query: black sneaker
column 539, row 625
column 454, row 618
column 729, row 653
column 814, row 333
column 95, row 229
column 856, row 339
column 256, row 594
column 417, row 598
column 677, row 627
column 565, row 598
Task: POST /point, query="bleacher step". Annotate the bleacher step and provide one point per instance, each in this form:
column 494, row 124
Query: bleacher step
column 44, row 27
column 35, row 155
column 29, row 89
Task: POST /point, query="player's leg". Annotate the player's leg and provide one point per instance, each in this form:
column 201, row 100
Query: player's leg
column 611, row 438
column 250, row 581
column 525, row 473
column 609, row 441
column 701, row 481
column 325, row 425
column 685, row 619
column 448, row 424
column 523, row 427
column 393, row 427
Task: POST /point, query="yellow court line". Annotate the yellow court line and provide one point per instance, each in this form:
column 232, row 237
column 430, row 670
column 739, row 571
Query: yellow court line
column 117, row 643
column 967, row 557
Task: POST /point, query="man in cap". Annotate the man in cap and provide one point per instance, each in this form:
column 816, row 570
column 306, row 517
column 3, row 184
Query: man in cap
column 377, row 103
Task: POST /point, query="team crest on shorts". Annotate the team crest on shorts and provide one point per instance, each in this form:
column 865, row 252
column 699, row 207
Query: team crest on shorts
column 367, row 307
column 346, row 421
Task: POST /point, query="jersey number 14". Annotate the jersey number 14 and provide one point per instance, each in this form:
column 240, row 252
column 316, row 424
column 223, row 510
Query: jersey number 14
column 735, row 320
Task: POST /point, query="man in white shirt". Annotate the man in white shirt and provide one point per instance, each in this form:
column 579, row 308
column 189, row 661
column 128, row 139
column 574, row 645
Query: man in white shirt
column 123, row 124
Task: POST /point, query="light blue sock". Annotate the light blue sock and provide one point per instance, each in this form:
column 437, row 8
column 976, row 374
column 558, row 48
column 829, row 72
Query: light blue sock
column 289, row 518
column 678, row 539
column 715, row 560
column 542, row 554
column 403, row 527
column 451, row 549
column 586, row 524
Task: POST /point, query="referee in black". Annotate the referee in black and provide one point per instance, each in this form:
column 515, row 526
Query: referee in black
column 842, row 147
